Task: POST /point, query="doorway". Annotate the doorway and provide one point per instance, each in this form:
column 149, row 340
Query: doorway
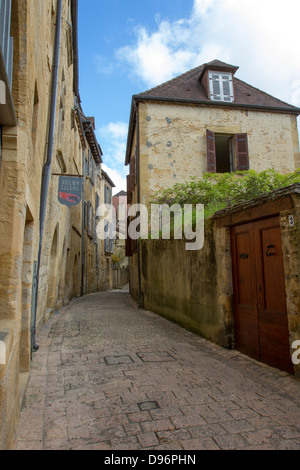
column 52, row 273
column 27, row 299
column 260, row 315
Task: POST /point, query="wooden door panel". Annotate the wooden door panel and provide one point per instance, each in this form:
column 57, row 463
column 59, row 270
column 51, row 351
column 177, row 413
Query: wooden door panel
column 274, row 341
column 272, row 314
column 261, row 325
column 245, row 297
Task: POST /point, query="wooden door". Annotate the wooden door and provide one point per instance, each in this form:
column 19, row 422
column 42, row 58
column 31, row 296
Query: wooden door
column 261, row 326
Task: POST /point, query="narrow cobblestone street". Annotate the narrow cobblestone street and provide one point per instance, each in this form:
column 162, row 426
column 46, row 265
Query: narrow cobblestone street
column 110, row 376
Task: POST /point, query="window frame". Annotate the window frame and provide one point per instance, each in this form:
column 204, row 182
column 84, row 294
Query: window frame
column 240, row 147
column 220, row 97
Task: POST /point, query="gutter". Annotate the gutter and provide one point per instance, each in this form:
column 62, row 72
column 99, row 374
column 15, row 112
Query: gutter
column 83, row 225
column 47, row 166
column 289, row 110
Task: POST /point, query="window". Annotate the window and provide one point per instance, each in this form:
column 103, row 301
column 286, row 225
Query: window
column 91, row 168
column 35, row 113
column 221, row 86
column 0, row 144
column 107, row 195
column 6, row 41
column 97, row 206
column 227, row 153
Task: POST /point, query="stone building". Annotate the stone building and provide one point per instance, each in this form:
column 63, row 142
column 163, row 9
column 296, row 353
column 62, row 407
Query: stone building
column 120, row 260
column 242, row 288
column 207, row 120
column 45, row 260
column 107, row 243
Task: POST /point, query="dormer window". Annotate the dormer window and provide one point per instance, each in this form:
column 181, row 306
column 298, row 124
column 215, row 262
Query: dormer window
column 221, row 86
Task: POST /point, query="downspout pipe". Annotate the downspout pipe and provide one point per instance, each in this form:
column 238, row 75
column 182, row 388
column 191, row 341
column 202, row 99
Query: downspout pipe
column 83, row 225
column 47, row 167
column 138, row 201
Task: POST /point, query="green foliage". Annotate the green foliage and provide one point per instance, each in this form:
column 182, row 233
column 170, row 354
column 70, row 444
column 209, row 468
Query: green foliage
column 219, row 190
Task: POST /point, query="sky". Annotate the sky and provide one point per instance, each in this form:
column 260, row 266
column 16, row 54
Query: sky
column 129, row 46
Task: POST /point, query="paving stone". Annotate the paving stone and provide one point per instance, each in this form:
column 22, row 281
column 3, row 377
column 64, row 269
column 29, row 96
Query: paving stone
column 200, row 444
column 157, row 425
column 148, row 439
column 109, row 376
column 147, row 406
column 239, row 426
column 231, row 442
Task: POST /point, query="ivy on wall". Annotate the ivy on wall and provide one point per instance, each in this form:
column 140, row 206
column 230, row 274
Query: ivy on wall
column 217, row 191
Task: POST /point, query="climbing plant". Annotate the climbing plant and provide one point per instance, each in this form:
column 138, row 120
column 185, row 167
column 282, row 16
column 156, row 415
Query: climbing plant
column 217, row 191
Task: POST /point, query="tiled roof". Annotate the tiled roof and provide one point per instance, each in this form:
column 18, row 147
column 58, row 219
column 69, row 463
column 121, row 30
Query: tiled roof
column 188, row 87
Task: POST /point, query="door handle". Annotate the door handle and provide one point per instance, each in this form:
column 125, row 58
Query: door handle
column 268, row 251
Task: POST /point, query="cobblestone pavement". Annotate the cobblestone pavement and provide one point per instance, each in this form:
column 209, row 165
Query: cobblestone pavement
column 109, row 376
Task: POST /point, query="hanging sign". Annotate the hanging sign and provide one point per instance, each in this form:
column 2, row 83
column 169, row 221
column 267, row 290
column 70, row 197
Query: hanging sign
column 69, row 191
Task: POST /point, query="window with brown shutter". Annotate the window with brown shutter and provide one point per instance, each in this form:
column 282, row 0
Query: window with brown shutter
column 128, row 251
column 129, row 193
column 227, row 153
column 132, row 173
column 242, row 154
column 211, row 152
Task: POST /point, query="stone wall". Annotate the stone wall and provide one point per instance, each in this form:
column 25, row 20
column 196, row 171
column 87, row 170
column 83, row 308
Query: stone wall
column 290, row 239
column 120, row 277
column 192, row 288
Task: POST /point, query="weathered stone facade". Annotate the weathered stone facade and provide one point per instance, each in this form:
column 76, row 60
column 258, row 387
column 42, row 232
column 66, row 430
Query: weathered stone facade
column 24, row 151
column 173, row 141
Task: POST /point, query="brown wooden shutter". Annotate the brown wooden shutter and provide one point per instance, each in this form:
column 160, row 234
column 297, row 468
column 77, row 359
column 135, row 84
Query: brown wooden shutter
column 242, row 154
column 128, row 249
column 211, row 152
column 129, row 193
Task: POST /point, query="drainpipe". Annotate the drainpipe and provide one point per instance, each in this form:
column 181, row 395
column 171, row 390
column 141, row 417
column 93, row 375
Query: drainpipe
column 138, row 200
column 47, row 166
column 83, row 225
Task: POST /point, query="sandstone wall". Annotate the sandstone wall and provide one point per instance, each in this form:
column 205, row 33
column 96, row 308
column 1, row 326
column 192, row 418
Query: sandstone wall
column 173, row 141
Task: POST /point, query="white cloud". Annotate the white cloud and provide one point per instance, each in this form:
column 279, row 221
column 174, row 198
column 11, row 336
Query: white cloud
column 117, row 178
column 113, row 140
column 259, row 36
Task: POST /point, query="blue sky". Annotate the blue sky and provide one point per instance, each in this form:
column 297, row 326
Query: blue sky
column 129, row 46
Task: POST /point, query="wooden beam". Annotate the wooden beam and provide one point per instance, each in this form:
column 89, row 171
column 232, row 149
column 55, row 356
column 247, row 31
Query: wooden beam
column 260, row 211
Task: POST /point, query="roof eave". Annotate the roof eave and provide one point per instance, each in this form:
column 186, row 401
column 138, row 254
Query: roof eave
column 75, row 47
column 218, row 68
column 108, row 179
column 278, row 109
column 132, row 122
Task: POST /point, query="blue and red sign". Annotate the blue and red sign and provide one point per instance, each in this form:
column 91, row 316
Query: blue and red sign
column 69, row 191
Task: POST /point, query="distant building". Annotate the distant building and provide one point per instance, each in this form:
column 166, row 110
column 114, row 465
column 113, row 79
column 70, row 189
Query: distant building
column 120, row 260
column 107, row 244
